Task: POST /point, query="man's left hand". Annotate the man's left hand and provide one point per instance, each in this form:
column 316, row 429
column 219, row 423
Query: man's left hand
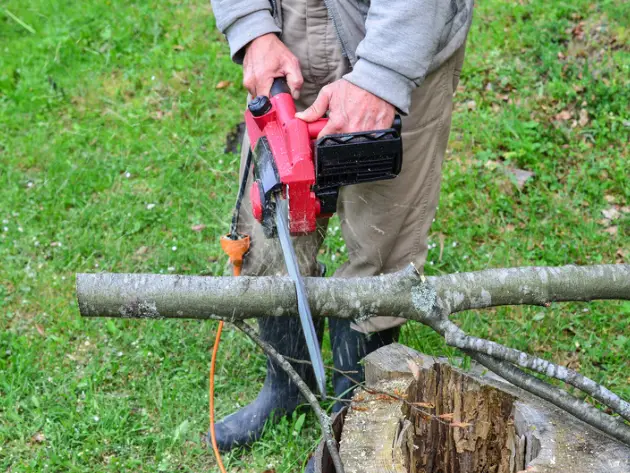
column 351, row 109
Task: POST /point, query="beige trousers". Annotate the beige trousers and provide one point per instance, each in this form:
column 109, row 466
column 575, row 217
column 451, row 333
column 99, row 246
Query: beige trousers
column 384, row 224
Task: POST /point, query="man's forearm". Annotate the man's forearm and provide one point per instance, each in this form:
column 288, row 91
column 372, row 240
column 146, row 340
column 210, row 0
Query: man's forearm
column 242, row 21
column 401, row 42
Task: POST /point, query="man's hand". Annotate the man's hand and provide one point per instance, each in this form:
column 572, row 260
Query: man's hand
column 351, row 109
column 266, row 58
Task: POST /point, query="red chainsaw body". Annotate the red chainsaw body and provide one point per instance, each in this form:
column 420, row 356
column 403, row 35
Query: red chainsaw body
column 291, row 143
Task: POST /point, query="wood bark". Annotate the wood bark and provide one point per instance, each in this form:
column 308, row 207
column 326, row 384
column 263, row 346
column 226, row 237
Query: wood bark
column 404, row 294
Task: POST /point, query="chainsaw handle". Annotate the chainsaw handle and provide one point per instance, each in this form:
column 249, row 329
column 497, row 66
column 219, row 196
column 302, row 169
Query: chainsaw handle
column 315, row 128
column 279, row 86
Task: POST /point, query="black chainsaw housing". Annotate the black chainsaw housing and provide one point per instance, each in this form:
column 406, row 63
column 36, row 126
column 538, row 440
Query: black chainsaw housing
column 355, row 158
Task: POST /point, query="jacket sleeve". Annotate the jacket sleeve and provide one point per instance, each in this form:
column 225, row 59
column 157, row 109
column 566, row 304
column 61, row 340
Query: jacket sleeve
column 241, row 21
column 399, row 46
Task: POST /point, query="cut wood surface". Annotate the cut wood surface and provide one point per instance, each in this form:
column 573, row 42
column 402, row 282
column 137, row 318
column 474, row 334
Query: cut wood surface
column 443, row 418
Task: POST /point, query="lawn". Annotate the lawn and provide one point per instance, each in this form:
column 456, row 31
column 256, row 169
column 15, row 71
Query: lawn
column 113, row 116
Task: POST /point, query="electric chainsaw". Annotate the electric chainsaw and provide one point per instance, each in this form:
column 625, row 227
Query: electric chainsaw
column 297, row 179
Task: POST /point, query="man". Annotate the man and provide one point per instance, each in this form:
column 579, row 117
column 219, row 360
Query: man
column 361, row 63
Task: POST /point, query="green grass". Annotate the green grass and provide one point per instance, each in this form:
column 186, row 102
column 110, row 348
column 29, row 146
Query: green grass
column 111, row 148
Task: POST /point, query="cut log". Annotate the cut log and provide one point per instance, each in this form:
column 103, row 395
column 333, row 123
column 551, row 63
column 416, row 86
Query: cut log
column 444, row 419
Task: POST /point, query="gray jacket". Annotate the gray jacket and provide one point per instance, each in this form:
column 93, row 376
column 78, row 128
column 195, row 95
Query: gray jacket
column 392, row 45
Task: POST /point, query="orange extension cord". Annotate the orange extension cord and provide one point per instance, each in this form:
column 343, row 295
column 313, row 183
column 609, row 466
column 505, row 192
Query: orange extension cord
column 213, row 435
column 235, row 249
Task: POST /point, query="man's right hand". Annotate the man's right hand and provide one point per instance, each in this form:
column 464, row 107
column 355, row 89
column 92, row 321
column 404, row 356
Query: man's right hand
column 266, row 58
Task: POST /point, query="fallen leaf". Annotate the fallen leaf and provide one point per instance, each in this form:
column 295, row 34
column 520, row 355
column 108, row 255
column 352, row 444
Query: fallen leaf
column 605, row 222
column 570, row 360
column 578, row 31
column 492, row 165
column 442, row 238
column 399, row 393
column 611, row 213
column 178, row 47
column 610, row 198
column 427, row 405
column 471, row 105
column 563, row 116
column 40, row 330
column 182, row 80
column 460, row 424
column 509, row 227
column 521, row 176
column 270, row 471
column 611, row 230
column 198, row 228
column 142, row 250
column 360, row 409
column 384, row 397
column 223, row 84
column 446, row 416
column 181, row 430
column 38, row 438
column 625, row 209
column 561, row 56
column 160, row 115
column 622, row 256
column 415, row 369
column 583, row 121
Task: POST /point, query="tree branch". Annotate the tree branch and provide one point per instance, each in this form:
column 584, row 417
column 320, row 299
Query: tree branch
column 231, row 299
column 532, row 286
column 465, row 342
column 404, row 294
column 324, row 420
column 583, row 411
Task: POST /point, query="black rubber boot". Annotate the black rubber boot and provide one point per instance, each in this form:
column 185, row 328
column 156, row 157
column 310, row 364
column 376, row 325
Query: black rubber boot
column 349, row 347
column 279, row 396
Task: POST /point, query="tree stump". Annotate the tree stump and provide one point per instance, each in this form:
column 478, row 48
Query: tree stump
column 443, row 419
